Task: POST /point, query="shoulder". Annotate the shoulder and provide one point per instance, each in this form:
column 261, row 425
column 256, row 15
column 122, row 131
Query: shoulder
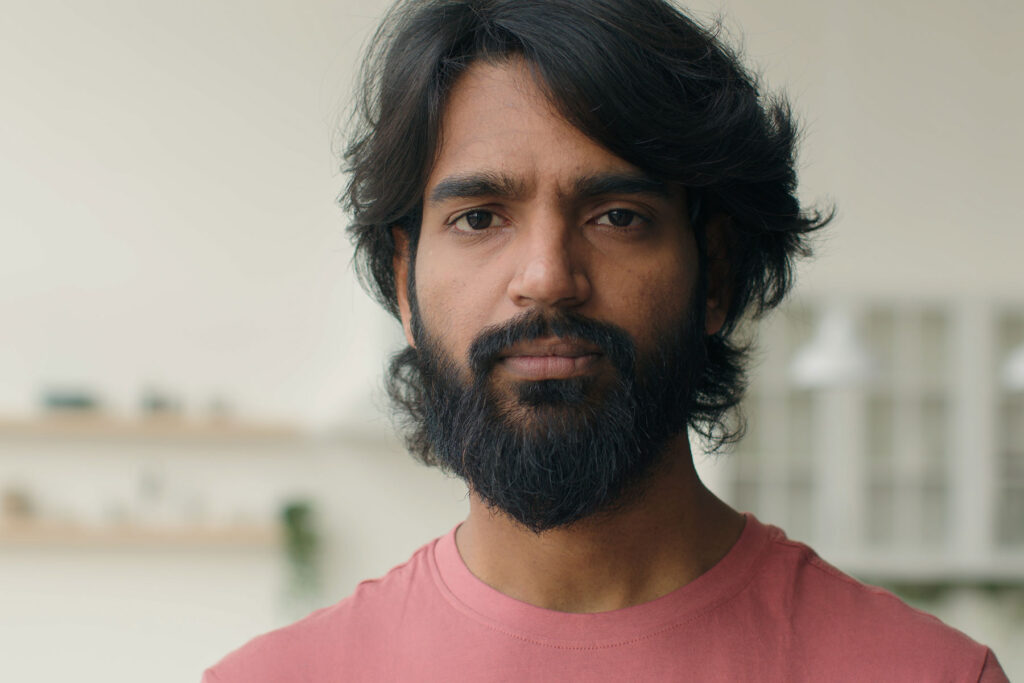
column 855, row 626
column 816, row 590
column 336, row 638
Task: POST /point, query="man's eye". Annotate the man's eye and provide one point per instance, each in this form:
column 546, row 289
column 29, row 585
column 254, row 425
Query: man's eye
column 621, row 218
column 474, row 220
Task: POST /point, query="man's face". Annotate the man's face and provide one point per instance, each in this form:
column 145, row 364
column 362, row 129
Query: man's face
column 554, row 292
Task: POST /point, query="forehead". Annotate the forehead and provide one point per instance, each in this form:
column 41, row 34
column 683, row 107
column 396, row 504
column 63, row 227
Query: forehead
column 498, row 120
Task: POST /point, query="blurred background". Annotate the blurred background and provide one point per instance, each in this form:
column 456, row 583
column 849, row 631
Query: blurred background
column 194, row 444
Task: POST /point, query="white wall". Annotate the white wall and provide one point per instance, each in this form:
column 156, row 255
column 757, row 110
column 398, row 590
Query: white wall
column 167, row 210
column 910, row 127
column 167, row 218
column 167, row 182
column 121, row 611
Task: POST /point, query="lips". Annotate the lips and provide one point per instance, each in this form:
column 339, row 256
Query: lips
column 549, row 359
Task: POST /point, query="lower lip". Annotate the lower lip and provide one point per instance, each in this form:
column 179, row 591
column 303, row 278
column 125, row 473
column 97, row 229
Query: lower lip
column 548, row 367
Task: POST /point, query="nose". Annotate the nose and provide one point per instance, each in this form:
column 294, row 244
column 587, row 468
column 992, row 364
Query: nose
column 550, row 269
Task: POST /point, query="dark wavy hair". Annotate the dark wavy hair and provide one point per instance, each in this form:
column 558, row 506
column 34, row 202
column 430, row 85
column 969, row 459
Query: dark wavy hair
column 640, row 78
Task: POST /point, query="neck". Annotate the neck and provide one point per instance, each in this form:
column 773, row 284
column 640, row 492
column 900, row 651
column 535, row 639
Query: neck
column 664, row 538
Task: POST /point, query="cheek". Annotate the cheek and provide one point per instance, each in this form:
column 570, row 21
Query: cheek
column 639, row 299
column 453, row 307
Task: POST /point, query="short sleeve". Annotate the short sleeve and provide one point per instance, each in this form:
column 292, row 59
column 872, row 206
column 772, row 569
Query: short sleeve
column 991, row 671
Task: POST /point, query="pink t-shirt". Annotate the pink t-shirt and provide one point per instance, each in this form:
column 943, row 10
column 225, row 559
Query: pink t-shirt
column 770, row 610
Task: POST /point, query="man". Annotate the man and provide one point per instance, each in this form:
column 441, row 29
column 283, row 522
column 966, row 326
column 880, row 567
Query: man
column 571, row 205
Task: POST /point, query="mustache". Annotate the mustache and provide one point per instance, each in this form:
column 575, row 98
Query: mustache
column 613, row 341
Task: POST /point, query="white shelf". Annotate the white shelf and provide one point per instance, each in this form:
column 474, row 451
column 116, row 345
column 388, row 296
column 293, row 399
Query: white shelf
column 66, row 535
column 150, row 428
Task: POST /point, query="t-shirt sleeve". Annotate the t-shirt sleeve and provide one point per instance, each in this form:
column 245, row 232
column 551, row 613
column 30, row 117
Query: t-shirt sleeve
column 210, row 677
column 991, row 671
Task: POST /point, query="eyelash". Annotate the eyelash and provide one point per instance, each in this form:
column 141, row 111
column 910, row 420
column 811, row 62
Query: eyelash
column 466, row 214
column 634, row 215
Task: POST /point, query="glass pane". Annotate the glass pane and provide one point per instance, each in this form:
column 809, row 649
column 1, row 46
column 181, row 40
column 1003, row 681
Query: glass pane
column 1010, row 529
column 801, row 426
column 880, row 428
column 935, row 347
column 935, row 497
column 881, row 511
column 800, row 499
column 936, row 425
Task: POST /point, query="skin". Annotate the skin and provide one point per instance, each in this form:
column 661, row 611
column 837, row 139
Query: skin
column 539, row 234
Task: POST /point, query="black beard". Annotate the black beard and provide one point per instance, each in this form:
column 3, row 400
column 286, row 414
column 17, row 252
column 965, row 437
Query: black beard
column 552, row 452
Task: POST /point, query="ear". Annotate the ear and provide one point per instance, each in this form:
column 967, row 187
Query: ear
column 719, row 293
column 400, row 263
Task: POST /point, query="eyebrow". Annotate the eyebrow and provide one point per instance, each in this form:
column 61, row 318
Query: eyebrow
column 475, row 185
column 621, row 184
